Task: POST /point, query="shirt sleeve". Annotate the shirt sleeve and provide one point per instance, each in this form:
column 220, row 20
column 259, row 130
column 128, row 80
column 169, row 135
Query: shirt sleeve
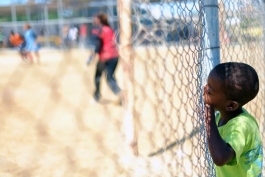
column 236, row 137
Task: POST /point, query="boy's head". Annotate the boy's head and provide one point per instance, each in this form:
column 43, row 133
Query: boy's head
column 235, row 83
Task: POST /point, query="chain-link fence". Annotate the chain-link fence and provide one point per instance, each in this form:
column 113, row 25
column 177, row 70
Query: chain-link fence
column 174, row 46
column 166, row 50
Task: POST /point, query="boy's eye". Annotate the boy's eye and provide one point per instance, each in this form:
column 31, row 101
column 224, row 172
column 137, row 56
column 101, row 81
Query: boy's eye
column 207, row 90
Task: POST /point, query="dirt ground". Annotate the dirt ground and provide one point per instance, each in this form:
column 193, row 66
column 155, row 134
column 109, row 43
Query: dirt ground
column 49, row 124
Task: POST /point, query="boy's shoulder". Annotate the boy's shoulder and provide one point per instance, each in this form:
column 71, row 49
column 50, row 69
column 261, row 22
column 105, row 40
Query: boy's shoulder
column 244, row 119
column 244, row 123
column 246, row 116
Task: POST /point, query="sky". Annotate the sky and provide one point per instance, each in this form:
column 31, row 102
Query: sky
column 8, row 2
column 5, row 2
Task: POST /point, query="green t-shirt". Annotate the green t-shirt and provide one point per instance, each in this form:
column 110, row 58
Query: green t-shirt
column 242, row 133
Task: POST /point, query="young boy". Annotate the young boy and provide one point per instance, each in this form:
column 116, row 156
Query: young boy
column 233, row 135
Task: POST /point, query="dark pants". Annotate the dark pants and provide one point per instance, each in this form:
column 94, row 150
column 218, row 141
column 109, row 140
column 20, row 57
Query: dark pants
column 109, row 67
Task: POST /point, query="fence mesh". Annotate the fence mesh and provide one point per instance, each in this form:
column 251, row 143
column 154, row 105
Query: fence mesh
column 168, row 42
column 47, row 117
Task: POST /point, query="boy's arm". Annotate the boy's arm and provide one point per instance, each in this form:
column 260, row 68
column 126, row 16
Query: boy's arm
column 220, row 151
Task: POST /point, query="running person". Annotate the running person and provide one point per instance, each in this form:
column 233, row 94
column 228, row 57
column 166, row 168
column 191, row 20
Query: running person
column 104, row 41
column 17, row 41
column 31, row 43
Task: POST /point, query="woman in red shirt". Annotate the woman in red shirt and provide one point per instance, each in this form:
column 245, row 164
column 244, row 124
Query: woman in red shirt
column 103, row 37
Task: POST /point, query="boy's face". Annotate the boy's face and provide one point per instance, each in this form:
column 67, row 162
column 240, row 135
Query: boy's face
column 213, row 93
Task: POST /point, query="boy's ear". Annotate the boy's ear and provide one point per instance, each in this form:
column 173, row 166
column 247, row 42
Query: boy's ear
column 232, row 105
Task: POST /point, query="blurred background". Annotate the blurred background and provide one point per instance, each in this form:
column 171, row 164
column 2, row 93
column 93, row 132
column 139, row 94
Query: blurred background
column 153, row 21
column 52, row 19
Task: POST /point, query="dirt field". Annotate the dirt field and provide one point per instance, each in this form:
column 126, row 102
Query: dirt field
column 49, row 126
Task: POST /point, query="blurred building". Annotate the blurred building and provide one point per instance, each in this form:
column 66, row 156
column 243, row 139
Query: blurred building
column 49, row 18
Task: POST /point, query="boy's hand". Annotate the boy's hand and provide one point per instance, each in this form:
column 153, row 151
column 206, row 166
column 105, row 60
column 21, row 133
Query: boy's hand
column 209, row 113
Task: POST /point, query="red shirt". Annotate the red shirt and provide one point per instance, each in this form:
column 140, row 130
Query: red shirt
column 109, row 48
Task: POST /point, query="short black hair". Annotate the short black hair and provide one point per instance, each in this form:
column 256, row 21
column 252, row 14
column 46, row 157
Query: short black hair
column 239, row 80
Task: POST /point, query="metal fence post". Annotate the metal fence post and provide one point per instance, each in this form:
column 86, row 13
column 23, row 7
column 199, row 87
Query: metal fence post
column 210, row 56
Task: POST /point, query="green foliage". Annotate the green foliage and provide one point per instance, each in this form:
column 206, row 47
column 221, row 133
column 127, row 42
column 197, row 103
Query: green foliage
column 53, row 15
column 21, row 17
column 5, row 18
